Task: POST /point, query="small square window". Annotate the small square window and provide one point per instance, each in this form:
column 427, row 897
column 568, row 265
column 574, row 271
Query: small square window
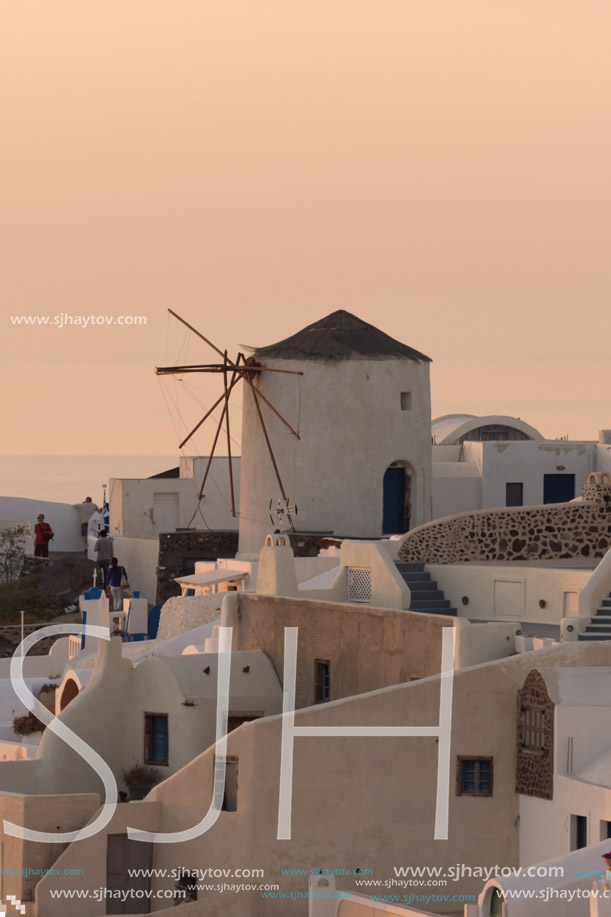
column 156, row 741
column 322, row 681
column 406, row 401
column 474, row 777
column 514, row 494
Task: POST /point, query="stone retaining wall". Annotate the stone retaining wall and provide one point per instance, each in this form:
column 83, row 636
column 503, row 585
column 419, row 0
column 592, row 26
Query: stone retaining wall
column 10, row 638
column 555, row 531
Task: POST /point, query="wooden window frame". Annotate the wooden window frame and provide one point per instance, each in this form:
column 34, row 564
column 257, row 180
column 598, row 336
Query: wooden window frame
column 533, row 729
column 147, row 740
column 462, row 759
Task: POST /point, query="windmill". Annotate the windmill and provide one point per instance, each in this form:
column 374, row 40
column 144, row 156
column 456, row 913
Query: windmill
column 246, row 369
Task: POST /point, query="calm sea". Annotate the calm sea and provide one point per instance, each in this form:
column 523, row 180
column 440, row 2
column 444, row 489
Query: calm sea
column 71, row 478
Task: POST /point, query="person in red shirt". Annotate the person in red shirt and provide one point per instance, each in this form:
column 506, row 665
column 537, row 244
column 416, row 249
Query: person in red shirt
column 43, row 533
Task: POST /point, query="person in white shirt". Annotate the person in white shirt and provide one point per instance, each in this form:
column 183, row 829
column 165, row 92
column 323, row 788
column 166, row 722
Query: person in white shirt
column 86, row 509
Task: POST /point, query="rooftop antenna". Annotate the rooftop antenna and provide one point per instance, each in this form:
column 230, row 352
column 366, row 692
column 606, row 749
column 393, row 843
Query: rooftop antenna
column 242, row 368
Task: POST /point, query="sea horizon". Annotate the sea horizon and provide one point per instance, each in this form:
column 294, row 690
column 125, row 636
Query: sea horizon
column 66, row 478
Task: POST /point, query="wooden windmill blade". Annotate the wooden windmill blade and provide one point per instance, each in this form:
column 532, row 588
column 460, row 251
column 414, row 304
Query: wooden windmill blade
column 241, row 368
column 228, row 435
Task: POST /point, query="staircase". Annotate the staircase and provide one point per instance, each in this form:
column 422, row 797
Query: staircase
column 599, row 627
column 425, row 596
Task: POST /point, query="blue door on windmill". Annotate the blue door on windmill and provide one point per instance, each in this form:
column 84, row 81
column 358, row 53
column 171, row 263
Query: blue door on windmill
column 393, row 512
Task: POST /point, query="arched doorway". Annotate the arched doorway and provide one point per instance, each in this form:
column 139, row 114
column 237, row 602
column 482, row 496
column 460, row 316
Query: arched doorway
column 396, row 501
column 71, row 690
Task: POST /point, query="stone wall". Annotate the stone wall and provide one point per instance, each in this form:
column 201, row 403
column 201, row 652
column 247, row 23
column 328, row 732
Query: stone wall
column 181, row 614
column 10, row 638
column 535, row 766
column 554, row 531
column 179, row 548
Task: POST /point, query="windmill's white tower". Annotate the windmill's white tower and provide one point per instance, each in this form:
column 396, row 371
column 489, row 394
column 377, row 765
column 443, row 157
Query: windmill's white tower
column 362, row 465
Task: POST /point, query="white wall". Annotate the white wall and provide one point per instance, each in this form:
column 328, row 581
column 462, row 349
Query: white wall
column 590, row 731
column 545, row 824
column 479, row 643
column 507, row 592
column 62, row 517
column 603, row 457
column 388, row 588
column 456, row 470
column 140, row 557
column 457, row 487
column 131, row 500
column 528, row 462
column 352, row 428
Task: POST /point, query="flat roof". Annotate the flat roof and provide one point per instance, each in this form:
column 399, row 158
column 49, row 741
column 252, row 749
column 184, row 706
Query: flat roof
column 211, row 578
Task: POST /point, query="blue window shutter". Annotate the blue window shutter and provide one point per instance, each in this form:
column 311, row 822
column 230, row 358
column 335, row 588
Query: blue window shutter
column 159, row 739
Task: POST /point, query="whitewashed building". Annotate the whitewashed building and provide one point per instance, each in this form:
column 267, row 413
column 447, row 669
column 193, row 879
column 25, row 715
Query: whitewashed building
column 497, row 460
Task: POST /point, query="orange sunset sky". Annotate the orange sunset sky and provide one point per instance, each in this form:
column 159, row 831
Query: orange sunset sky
column 438, row 167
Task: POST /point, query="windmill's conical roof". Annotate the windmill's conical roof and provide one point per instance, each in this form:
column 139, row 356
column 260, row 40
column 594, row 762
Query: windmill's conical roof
column 339, row 336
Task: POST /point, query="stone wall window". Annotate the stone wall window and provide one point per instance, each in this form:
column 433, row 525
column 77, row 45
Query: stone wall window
column 406, row 401
column 535, row 739
column 474, row 776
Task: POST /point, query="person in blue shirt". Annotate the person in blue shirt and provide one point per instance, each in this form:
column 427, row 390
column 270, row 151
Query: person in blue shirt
column 116, row 578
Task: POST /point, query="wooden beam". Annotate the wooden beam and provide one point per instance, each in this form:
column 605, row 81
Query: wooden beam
column 219, row 368
column 229, row 436
column 195, row 331
column 204, row 368
column 269, row 369
column 271, row 453
column 210, row 457
column 208, row 413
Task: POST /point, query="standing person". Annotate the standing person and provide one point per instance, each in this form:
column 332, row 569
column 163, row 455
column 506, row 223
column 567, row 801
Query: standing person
column 86, row 509
column 103, row 548
column 44, row 534
column 116, row 578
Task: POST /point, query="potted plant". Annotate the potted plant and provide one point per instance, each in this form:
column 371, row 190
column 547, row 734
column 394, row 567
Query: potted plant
column 140, row 780
column 26, row 725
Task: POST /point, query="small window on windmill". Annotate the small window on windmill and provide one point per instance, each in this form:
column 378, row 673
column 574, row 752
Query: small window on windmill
column 359, row 584
column 406, row 401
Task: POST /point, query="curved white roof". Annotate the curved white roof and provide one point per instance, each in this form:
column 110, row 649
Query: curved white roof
column 448, row 429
